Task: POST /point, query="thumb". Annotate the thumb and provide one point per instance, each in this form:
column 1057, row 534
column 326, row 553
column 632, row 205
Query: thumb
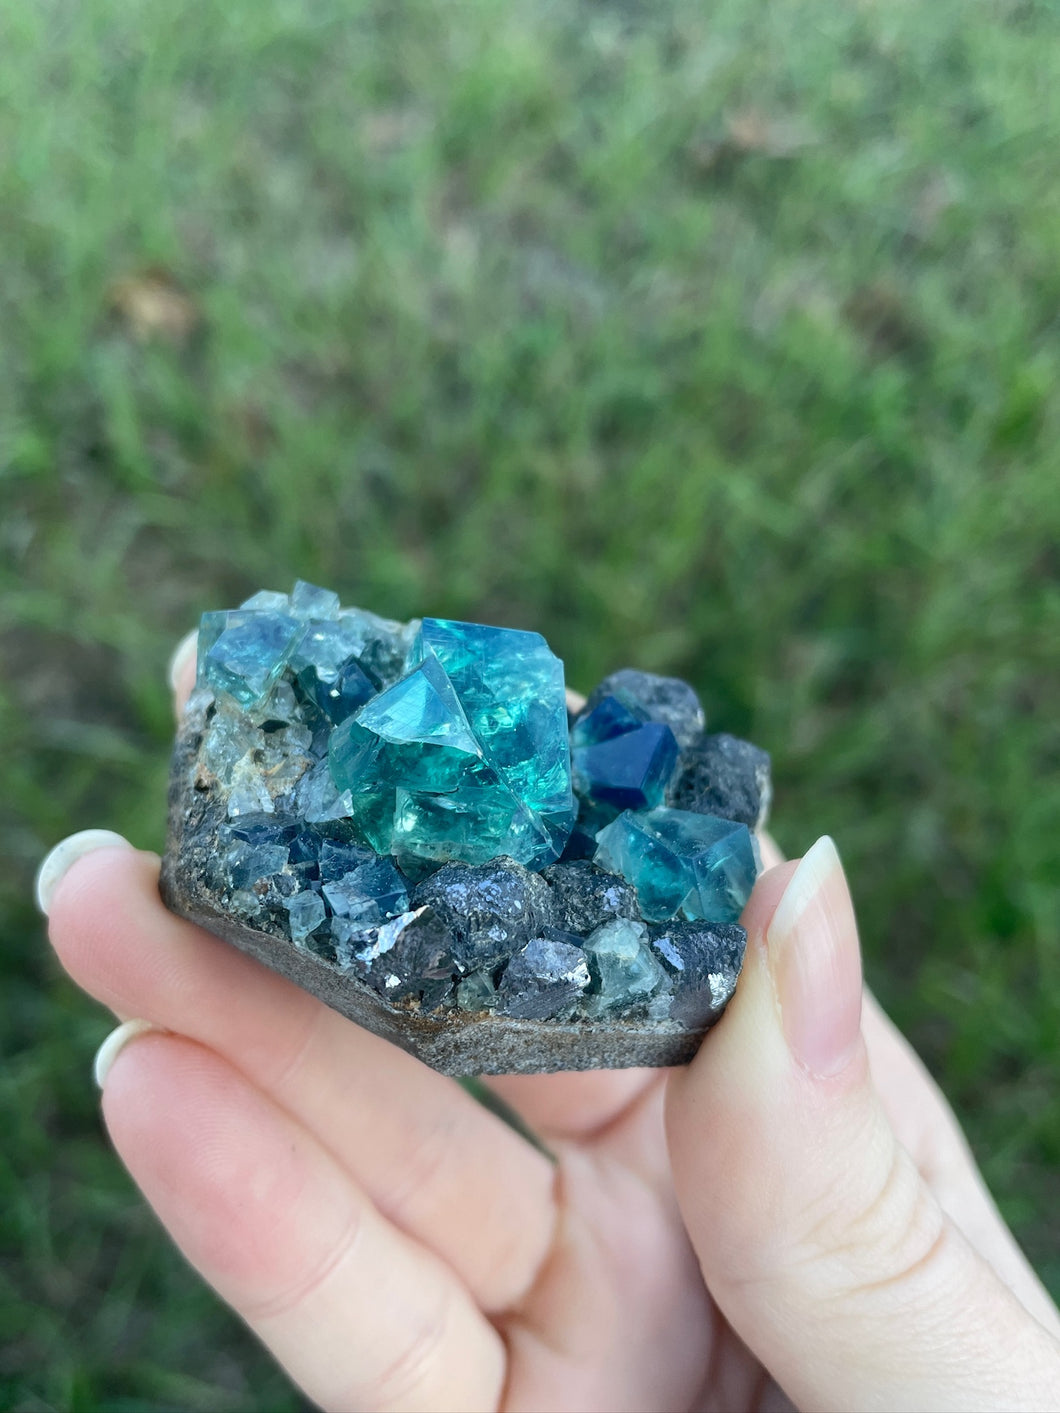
column 818, row 1238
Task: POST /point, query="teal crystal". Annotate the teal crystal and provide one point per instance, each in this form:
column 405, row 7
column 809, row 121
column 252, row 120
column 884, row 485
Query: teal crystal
column 466, row 756
column 693, row 866
column 510, row 684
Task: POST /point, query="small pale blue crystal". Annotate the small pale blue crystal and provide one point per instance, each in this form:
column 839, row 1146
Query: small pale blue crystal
column 623, row 965
column 243, row 653
column 370, row 893
column 268, row 601
column 694, row 866
column 248, row 862
column 306, row 912
column 310, row 601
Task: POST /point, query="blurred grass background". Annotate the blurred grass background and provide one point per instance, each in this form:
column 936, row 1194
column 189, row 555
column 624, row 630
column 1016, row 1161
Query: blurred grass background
column 716, row 338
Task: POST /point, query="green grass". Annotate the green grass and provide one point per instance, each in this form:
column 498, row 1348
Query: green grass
column 717, row 338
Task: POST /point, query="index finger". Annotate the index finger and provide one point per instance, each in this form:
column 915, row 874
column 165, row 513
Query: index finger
column 182, row 669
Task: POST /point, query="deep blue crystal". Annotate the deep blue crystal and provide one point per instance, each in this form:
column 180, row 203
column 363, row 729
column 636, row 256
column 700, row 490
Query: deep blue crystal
column 608, row 718
column 628, row 771
column 664, row 699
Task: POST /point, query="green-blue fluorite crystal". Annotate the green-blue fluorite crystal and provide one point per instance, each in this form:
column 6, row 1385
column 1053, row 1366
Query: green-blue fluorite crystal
column 465, row 757
column 686, row 865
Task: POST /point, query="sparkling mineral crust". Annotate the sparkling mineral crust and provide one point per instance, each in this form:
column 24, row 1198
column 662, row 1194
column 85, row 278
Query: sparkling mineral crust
column 401, row 818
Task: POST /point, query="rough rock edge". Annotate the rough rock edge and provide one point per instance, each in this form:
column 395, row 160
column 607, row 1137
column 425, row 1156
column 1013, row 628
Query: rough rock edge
column 456, row 1044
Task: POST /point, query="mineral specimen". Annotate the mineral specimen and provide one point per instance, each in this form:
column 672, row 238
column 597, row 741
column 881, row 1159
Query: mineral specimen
column 401, row 818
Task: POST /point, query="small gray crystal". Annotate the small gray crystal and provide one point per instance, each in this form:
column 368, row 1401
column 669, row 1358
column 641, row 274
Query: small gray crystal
column 726, row 776
column 492, row 908
column 707, row 957
column 544, row 977
column 584, row 896
column 664, row 699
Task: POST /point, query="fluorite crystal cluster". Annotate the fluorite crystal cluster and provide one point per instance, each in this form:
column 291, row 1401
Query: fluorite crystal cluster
column 403, row 818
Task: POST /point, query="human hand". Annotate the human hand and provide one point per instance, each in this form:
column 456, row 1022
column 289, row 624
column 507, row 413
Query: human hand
column 797, row 1210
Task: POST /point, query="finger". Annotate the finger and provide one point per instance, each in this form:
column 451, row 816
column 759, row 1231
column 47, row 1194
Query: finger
column 573, row 1105
column 771, row 855
column 182, row 670
column 926, row 1127
column 818, row 1238
column 359, row 1315
column 431, row 1157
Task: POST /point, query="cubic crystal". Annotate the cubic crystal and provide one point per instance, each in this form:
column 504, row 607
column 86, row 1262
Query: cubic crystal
column 625, row 970
column 371, row 892
column 607, row 719
column 689, row 865
column 243, row 653
column 310, row 601
column 305, row 912
column 628, row 771
column 466, row 756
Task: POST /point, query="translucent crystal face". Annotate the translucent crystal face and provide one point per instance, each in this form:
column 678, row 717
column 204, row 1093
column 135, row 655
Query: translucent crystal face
column 466, row 756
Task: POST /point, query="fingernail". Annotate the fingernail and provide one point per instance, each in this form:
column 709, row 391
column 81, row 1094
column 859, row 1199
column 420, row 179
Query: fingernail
column 183, row 655
column 114, row 1044
column 816, row 963
column 65, row 855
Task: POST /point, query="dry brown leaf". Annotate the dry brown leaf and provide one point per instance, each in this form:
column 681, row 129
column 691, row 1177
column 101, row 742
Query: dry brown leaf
column 151, row 304
column 752, row 131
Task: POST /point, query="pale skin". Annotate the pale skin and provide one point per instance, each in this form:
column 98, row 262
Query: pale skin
column 793, row 1218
